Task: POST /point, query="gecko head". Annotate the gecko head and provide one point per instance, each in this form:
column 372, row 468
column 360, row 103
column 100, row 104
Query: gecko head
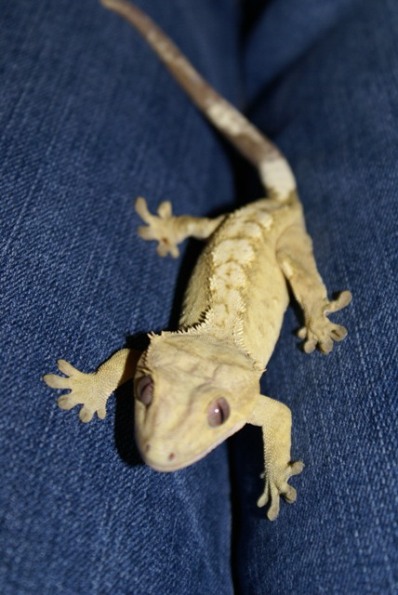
column 191, row 393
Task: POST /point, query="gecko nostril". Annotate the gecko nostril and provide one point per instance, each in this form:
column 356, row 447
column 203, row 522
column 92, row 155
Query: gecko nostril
column 147, row 448
column 171, row 456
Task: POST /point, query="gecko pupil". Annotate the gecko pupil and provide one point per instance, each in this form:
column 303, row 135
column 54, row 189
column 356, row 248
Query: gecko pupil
column 144, row 390
column 218, row 412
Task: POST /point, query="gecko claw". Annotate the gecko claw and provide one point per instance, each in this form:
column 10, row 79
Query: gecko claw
column 276, row 485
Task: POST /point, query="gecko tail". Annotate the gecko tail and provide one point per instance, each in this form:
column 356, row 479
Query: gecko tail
column 272, row 166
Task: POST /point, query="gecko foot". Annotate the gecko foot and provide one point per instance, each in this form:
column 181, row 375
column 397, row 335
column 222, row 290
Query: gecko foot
column 161, row 228
column 84, row 390
column 276, row 485
column 319, row 330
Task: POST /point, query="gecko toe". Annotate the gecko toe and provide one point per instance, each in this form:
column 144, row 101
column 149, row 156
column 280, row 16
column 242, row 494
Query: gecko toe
column 55, row 381
column 66, row 402
column 101, row 413
column 343, row 299
column 290, row 495
column 86, row 414
column 296, row 468
column 66, row 368
column 141, row 209
column 338, row 332
column 164, row 209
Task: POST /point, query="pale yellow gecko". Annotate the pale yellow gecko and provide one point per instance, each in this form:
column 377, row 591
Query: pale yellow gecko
column 197, row 386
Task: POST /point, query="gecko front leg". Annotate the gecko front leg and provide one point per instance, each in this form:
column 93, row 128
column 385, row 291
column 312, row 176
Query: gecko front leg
column 93, row 390
column 276, row 422
column 296, row 259
column 168, row 230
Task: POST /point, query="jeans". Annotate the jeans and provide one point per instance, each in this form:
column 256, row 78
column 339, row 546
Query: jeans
column 89, row 120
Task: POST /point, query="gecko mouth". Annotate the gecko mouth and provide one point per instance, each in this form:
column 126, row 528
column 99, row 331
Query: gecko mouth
column 173, row 462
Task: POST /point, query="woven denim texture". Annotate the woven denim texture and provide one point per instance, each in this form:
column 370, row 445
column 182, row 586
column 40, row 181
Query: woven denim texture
column 89, row 119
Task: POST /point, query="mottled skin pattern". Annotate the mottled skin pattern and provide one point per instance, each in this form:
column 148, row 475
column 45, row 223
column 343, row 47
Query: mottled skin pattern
column 197, row 386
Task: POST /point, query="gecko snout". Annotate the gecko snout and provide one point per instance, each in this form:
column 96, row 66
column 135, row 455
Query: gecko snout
column 158, row 458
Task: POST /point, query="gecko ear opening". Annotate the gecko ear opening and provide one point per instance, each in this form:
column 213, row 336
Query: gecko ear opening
column 218, row 412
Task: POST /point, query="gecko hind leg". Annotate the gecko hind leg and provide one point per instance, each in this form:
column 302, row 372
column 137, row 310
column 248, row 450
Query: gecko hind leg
column 318, row 329
column 168, row 230
column 296, row 259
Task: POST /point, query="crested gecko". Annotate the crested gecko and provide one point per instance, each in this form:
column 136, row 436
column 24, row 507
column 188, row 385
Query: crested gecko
column 199, row 385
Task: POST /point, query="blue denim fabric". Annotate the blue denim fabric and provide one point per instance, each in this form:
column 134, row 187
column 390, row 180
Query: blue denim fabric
column 334, row 111
column 89, row 119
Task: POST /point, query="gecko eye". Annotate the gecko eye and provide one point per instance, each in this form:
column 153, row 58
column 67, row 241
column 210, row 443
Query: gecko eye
column 218, row 412
column 144, row 390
